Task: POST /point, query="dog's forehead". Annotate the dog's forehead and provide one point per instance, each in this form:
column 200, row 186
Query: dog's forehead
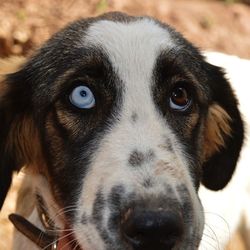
column 130, row 46
column 142, row 32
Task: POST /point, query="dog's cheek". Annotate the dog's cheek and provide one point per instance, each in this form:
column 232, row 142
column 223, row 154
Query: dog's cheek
column 55, row 154
column 67, row 163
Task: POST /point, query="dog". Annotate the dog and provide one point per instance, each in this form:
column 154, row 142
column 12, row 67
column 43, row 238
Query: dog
column 116, row 121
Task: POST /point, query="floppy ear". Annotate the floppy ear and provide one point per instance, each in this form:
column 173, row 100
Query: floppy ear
column 15, row 124
column 224, row 132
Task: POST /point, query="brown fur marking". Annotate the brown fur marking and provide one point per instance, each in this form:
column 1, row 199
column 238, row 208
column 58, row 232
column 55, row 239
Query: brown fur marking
column 23, row 137
column 163, row 167
column 24, row 141
column 190, row 124
column 217, row 126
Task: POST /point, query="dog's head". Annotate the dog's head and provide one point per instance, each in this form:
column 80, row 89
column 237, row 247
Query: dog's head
column 123, row 118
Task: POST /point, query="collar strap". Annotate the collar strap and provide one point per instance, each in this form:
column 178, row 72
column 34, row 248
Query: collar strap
column 41, row 239
column 46, row 240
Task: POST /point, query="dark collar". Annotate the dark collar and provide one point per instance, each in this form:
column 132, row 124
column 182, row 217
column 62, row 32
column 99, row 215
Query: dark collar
column 45, row 240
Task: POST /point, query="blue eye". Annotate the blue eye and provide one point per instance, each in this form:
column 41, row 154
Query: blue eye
column 82, row 97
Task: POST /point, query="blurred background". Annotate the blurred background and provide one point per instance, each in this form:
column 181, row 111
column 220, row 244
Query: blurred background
column 222, row 25
column 213, row 25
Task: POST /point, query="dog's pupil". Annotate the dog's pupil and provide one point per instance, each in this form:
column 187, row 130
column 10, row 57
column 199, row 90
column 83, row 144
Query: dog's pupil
column 83, row 93
column 180, row 96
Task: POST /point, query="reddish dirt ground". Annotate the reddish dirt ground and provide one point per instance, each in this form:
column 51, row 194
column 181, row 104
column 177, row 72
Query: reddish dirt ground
column 211, row 25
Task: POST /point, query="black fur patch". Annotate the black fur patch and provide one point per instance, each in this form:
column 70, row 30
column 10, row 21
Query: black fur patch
column 98, row 208
column 97, row 215
column 115, row 197
column 186, row 205
column 84, row 219
column 134, row 117
column 148, row 183
column 168, row 144
column 138, row 158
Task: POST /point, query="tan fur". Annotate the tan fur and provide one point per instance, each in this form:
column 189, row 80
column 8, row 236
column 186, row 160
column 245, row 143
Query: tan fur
column 236, row 243
column 54, row 135
column 7, row 66
column 69, row 121
column 23, row 138
column 6, row 231
column 162, row 166
column 243, row 231
column 24, row 141
column 190, row 124
column 217, row 125
column 25, row 198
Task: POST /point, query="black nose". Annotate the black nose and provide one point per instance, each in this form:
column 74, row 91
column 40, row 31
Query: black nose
column 148, row 230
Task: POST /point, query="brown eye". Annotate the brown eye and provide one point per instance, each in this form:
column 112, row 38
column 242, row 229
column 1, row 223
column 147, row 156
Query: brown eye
column 180, row 99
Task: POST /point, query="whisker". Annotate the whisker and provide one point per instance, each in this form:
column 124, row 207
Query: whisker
column 76, row 245
column 58, row 230
column 62, row 211
column 206, row 241
column 69, row 243
column 223, row 228
column 221, row 217
column 215, row 238
column 60, row 238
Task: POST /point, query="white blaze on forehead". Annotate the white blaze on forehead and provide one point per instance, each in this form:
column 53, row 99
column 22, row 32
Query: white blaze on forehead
column 132, row 47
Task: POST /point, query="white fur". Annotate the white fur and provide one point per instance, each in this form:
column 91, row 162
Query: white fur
column 132, row 49
column 224, row 209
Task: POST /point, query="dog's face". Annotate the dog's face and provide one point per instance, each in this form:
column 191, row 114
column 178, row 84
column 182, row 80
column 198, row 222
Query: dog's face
column 124, row 119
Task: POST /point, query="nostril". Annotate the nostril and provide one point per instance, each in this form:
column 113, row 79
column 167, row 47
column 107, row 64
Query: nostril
column 147, row 229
